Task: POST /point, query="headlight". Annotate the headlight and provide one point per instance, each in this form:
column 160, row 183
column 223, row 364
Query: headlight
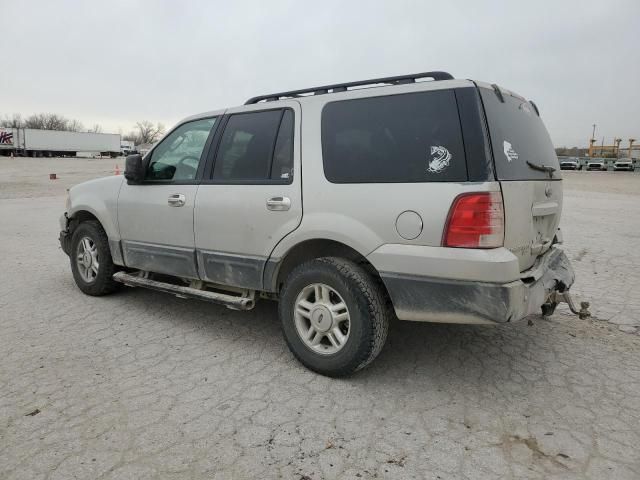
column 68, row 202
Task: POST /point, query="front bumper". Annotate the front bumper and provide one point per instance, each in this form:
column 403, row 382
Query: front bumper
column 65, row 234
column 429, row 299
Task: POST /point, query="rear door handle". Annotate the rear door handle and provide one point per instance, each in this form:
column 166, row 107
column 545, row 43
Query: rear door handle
column 176, row 200
column 279, row 204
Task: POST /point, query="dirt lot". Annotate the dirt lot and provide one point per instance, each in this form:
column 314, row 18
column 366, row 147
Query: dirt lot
column 141, row 384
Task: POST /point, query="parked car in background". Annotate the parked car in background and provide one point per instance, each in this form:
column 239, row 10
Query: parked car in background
column 570, row 164
column 624, row 164
column 597, row 164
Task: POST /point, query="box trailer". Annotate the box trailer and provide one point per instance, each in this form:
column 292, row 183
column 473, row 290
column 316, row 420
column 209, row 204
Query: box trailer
column 50, row 143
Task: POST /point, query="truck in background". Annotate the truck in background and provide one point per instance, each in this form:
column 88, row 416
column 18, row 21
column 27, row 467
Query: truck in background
column 54, row 143
column 126, row 147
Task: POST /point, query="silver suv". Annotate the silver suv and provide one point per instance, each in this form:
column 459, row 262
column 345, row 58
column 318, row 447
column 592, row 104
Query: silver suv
column 434, row 201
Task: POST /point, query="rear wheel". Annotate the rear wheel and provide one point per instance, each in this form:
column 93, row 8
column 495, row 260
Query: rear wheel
column 91, row 261
column 334, row 316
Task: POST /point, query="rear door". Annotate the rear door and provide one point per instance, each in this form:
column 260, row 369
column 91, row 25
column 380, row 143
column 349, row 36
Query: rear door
column 251, row 196
column 522, row 152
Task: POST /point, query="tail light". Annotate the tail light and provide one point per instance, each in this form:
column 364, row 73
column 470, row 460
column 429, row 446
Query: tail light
column 476, row 220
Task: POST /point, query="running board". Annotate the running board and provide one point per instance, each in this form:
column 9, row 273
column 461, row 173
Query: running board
column 229, row 301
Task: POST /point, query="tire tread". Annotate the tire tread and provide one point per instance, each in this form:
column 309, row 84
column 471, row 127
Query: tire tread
column 104, row 284
column 361, row 284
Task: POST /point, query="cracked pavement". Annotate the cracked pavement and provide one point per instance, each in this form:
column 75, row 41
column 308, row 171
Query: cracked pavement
column 145, row 385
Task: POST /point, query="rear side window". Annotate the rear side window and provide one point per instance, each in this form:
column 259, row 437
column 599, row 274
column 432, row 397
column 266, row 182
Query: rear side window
column 254, row 147
column 282, row 166
column 518, row 136
column 404, row 138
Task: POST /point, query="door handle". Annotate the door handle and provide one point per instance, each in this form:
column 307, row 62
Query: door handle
column 176, row 200
column 279, row 204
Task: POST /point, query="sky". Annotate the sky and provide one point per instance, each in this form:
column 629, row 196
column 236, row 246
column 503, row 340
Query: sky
column 116, row 62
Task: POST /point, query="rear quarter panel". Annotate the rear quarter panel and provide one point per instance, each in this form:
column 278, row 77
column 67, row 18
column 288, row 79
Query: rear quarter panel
column 363, row 215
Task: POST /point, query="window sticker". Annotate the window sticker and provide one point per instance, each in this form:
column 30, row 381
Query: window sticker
column 510, row 153
column 440, row 159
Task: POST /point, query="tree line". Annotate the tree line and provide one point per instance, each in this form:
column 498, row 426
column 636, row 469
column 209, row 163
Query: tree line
column 143, row 132
column 46, row 121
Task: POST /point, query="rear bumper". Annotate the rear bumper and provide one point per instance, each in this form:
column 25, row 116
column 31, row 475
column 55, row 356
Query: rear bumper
column 430, row 299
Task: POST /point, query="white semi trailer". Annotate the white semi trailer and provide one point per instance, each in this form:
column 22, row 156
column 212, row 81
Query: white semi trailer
column 51, row 143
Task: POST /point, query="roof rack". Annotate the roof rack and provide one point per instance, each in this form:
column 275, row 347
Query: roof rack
column 343, row 87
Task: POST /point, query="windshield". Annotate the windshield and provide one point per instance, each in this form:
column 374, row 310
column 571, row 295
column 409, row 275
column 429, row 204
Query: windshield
column 519, row 138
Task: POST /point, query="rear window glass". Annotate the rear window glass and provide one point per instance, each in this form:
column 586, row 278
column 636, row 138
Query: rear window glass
column 517, row 136
column 394, row 139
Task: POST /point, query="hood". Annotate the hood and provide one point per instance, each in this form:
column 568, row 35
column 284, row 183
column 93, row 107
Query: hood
column 110, row 182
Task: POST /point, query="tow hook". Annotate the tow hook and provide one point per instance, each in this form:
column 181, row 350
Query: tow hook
column 558, row 297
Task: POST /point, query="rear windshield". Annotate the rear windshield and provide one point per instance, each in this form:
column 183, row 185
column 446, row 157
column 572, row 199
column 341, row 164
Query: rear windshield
column 405, row 138
column 517, row 136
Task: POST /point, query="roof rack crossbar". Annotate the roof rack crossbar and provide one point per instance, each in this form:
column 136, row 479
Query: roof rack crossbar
column 341, row 87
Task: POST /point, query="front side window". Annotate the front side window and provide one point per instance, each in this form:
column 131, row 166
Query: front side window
column 403, row 138
column 177, row 157
column 256, row 146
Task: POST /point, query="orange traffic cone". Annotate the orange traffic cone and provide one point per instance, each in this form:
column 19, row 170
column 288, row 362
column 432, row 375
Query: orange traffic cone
column 117, row 172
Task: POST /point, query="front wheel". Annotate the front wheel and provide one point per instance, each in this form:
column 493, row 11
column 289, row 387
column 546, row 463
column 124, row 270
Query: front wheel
column 334, row 316
column 91, row 261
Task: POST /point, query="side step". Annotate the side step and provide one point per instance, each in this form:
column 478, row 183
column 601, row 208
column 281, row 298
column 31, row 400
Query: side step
column 229, row 301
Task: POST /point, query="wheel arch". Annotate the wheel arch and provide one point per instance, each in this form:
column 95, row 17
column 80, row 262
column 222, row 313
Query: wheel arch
column 80, row 216
column 86, row 214
column 276, row 271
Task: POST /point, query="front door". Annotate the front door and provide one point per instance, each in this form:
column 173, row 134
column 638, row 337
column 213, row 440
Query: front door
column 156, row 217
column 250, row 197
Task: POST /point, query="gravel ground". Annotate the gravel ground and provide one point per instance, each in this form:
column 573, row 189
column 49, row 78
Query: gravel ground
column 145, row 385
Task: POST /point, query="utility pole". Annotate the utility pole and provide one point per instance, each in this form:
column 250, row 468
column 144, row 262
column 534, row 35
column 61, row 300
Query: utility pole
column 617, row 144
column 592, row 140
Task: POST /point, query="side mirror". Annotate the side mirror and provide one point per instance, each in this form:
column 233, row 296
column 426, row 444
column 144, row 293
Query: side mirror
column 134, row 169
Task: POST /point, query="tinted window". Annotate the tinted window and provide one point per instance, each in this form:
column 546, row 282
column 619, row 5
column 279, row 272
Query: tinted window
column 517, row 136
column 177, row 157
column 400, row 138
column 247, row 146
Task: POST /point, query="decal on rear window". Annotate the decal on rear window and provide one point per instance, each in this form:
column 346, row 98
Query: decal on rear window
column 440, row 159
column 509, row 151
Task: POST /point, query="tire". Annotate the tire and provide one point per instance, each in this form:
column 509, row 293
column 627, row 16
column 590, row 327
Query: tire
column 365, row 304
column 101, row 282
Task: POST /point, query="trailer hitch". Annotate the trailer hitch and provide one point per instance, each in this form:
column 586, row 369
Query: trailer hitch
column 565, row 297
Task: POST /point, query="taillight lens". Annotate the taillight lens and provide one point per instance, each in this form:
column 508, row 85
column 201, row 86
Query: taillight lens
column 476, row 220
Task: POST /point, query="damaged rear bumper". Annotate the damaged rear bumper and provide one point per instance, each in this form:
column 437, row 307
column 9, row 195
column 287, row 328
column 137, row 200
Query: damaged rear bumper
column 427, row 299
